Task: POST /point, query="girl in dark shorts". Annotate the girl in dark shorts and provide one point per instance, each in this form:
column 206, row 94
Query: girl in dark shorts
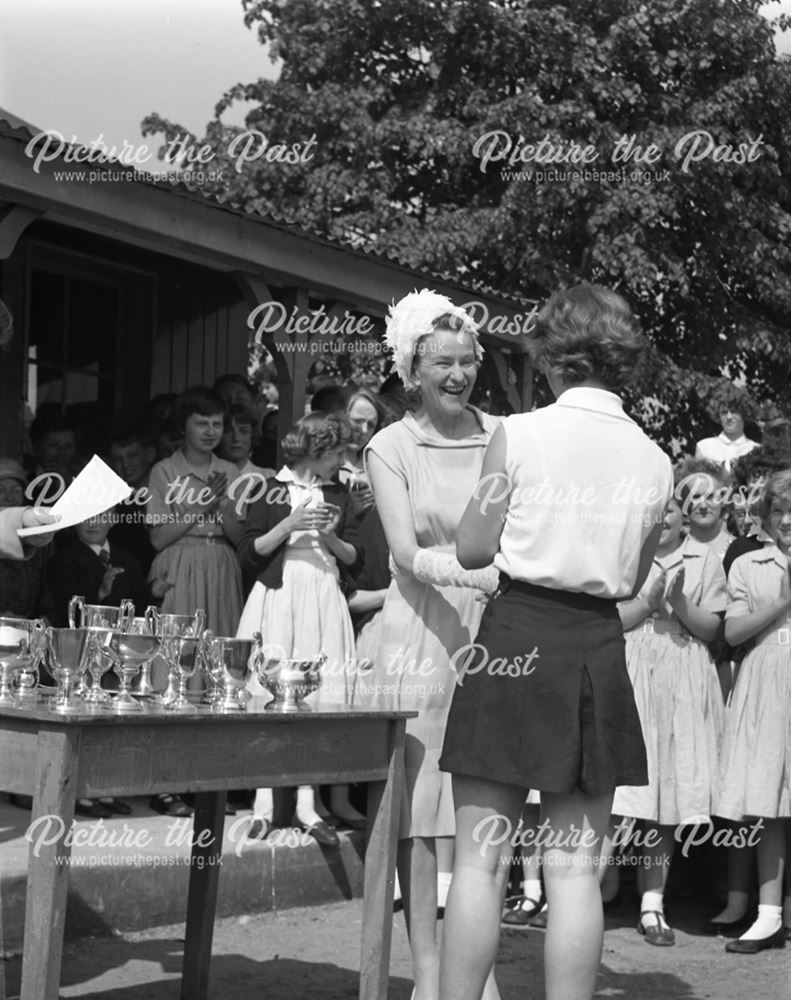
column 570, row 507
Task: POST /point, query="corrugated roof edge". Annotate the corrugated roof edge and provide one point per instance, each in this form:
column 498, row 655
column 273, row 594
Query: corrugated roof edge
column 22, row 131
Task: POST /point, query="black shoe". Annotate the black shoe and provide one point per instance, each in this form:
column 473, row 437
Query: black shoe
column 539, row 920
column 321, row 832
column 92, row 808
column 230, row 810
column 352, row 824
column 742, row 947
column 658, row 933
column 169, row 805
column 259, row 829
column 519, row 910
column 117, row 806
column 721, row 928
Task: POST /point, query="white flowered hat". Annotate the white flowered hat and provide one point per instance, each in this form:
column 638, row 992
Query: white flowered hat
column 414, row 317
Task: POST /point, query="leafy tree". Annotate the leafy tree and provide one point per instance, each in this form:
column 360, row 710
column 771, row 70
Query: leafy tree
column 401, row 96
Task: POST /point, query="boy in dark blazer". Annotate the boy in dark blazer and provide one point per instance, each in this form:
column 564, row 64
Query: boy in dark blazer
column 89, row 565
column 103, row 574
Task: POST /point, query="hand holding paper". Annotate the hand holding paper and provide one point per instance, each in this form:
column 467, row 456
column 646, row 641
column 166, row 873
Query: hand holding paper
column 96, row 489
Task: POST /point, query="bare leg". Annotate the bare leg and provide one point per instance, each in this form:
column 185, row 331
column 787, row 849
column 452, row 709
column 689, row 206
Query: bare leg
column 771, row 864
column 487, row 814
column 444, row 847
column 609, row 876
column 417, row 875
column 787, row 896
column 657, row 854
column 575, row 928
column 740, row 875
column 342, row 807
column 531, row 856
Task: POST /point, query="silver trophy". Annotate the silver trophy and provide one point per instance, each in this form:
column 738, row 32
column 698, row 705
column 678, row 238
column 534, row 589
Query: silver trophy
column 143, row 687
column 128, row 651
column 186, row 655
column 99, row 619
column 20, row 649
column 289, row 679
column 171, row 627
column 230, row 664
column 67, row 662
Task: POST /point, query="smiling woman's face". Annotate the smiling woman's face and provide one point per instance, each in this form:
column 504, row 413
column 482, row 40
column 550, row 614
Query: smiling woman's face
column 446, row 368
column 732, row 423
column 779, row 523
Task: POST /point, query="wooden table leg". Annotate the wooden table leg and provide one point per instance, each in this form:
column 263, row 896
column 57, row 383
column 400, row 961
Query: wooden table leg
column 202, row 898
column 48, row 864
column 379, row 880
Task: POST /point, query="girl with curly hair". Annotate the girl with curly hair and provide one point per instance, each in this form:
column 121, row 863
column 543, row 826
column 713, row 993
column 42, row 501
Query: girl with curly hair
column 289, row 551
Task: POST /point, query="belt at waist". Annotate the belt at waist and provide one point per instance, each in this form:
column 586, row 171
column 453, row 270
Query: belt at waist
column 664, row 626
column 570, row 598
column 203, row 540
column 777, row 637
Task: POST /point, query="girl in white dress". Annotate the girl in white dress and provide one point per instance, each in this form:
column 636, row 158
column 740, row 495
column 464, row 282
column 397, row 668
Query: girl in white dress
column 291, row 546
column 755, row 768
column 678, row 699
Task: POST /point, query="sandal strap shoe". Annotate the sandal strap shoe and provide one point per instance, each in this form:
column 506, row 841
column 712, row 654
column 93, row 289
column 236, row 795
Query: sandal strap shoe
column 660, row 933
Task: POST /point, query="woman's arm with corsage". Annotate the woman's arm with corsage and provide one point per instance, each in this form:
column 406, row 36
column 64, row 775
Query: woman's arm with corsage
column 429, row 565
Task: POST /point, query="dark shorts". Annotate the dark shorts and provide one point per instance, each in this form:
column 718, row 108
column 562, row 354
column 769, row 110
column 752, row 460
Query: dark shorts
column 545, row 701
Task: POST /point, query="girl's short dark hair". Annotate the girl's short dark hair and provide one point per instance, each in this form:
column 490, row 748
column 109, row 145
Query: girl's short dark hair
column 778, row 487
column 242, row 414
column 690, row 472
column 727, row 396
column 314, row 435
column 197, row 399
column 588, row 332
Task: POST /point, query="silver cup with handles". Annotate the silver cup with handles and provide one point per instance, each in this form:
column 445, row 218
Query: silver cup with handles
column 98, row 619
column 128, row 651
column 230, row 663
column 67, row 661
column 289, row 679
column 143, row 686
column 21, row 648
column 171, row 627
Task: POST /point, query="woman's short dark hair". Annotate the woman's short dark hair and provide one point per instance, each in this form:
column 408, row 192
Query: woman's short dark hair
column 689, row 473
column 588, row 332
column 778, row 487
column 369, row 397
column 197, row 399
column 242, row 414
column 314, row 435
column 727, row 396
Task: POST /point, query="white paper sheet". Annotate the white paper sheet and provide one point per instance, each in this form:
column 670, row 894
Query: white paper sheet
column 96, row 489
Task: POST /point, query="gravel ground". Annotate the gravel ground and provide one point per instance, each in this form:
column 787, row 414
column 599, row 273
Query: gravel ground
column 313, row 954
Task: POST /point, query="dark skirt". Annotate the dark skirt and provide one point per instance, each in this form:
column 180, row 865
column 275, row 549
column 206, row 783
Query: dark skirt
column 543, row 699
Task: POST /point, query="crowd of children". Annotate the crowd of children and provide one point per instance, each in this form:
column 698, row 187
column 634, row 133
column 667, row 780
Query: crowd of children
column 708, row 651
column 303, row 559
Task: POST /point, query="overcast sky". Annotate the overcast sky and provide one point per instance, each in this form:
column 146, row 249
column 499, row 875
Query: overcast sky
column 97, row 67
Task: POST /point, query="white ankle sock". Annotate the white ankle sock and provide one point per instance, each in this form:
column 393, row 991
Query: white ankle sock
column 531, row 889
column 443, row 885
column 770, row 920
column 306, row 806
column 653, row 901
column 263, row 804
